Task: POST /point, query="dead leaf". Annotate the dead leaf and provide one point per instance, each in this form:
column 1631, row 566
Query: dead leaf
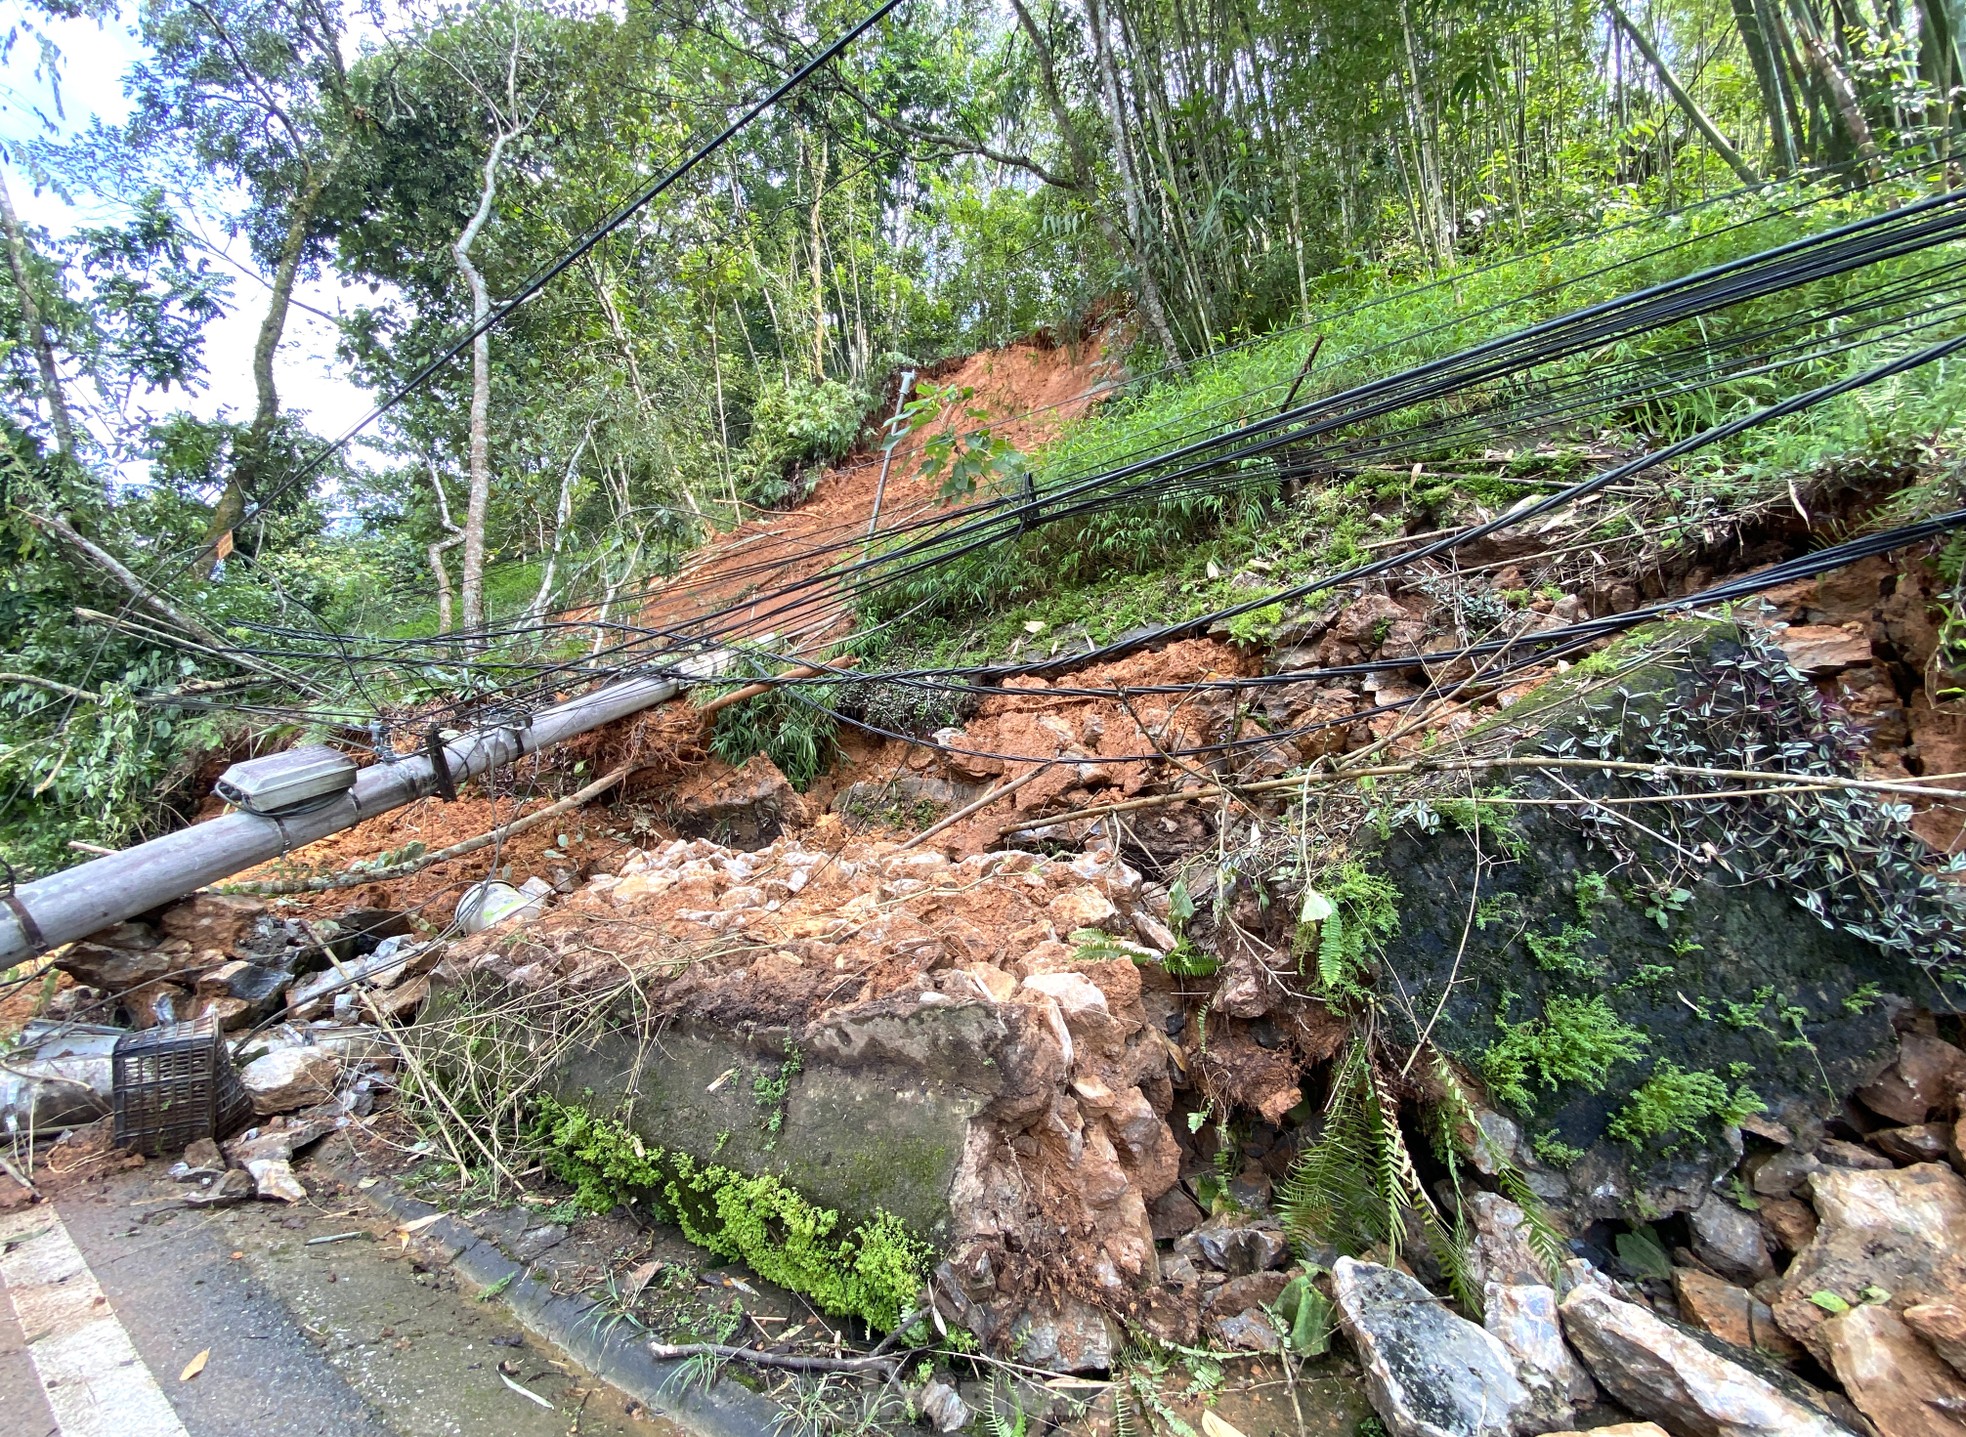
column 641, row 1277
column 195, row 1366
column 416, row 1225
column 1213, row 1426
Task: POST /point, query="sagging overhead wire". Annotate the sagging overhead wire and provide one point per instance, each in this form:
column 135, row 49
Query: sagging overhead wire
column 1310, row 435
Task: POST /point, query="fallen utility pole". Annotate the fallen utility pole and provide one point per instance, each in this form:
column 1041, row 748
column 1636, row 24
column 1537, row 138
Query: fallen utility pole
column 91, row 896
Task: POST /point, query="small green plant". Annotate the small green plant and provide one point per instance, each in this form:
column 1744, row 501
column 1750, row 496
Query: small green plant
column 1862, row 999
column 1493, row 821
column 1254, row 628
column 1577, row 1040
column 1552, row 1149
column 1563, row 952
column 768, row 1090
column 1643, row 1254
column 1304, row 1317
column 1189, row 961
column 1503, row 907
column 1674, row 1103
column 1360, row 911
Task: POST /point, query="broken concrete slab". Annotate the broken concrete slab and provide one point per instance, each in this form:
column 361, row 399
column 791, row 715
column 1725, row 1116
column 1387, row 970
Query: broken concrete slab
column 1428, row 1372
column 939, row 1054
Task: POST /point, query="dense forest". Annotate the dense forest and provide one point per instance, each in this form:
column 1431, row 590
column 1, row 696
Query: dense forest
column 1196, row 180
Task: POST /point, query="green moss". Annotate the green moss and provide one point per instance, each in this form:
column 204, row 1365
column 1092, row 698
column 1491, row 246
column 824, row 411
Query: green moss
column 1255, row 627
column 1552, row 1149
column 1673, row 1103
column 606, row 1163
column 1564, row 952
column 873, row 1270
column 1577, row 1040
column 1492, row 821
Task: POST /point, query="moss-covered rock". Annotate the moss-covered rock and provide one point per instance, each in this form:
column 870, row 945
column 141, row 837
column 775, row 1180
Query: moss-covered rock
column 1632, row 980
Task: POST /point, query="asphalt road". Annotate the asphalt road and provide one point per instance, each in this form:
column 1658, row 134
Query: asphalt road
column 109, row 1295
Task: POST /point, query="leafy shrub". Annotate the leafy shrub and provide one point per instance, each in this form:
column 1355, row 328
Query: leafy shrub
column 792, row 725
column 793, row 426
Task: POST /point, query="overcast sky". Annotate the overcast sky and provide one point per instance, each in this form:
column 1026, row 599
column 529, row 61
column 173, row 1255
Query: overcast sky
column 94, row 60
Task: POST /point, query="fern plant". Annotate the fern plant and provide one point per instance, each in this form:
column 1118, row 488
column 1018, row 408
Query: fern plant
column 1356, row 1186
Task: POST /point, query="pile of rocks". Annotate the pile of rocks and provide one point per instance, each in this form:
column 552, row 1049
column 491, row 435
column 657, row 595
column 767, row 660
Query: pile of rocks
column 234, row 959
column 1825, row 1262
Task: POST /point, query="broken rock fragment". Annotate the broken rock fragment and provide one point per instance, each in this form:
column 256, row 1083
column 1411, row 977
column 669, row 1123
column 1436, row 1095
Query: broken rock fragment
column 1922, row 1081
column 1729, row 1241
column 1523, row 1318
column 1660, row 1372
column 1896, row 1230
column 1943, row 1325
column 290, row 1078
column 1428, row 1372
column 1238, row 1245
column 1733, row 1314
column 1892, row 1376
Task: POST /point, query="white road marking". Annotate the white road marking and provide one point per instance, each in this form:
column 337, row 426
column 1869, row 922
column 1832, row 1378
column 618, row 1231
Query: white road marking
column 95, row 1383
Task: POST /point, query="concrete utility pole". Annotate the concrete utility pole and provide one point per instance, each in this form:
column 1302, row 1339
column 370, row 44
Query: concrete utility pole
column 91, row 896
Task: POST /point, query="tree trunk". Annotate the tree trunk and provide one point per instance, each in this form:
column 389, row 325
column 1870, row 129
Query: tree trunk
column 250, row 457
column 37, row 330
column 818, row 264
column 1152, row 309
column 1683, row 98
column 453, row 536
column 561, row 513
column 1437, row 235
column 152, row 599
column 478, row 501
column 1767, row 73
column 1843, row 95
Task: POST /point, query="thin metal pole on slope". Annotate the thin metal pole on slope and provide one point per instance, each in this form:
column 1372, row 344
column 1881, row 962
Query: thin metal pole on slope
column 887, row 456
column 91, row 896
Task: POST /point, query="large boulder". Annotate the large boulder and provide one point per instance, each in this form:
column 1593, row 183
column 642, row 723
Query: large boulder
column 1659, row 1372
column 1428, row 1372
column 1623, row 992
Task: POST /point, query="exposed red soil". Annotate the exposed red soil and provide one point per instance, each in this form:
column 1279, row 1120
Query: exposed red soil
column 1029, row 391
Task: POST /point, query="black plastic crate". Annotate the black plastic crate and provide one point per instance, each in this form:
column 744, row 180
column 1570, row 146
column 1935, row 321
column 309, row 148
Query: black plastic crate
column 173, row 1085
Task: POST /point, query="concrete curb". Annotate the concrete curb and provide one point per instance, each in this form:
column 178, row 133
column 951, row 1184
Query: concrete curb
column 577, row 1326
